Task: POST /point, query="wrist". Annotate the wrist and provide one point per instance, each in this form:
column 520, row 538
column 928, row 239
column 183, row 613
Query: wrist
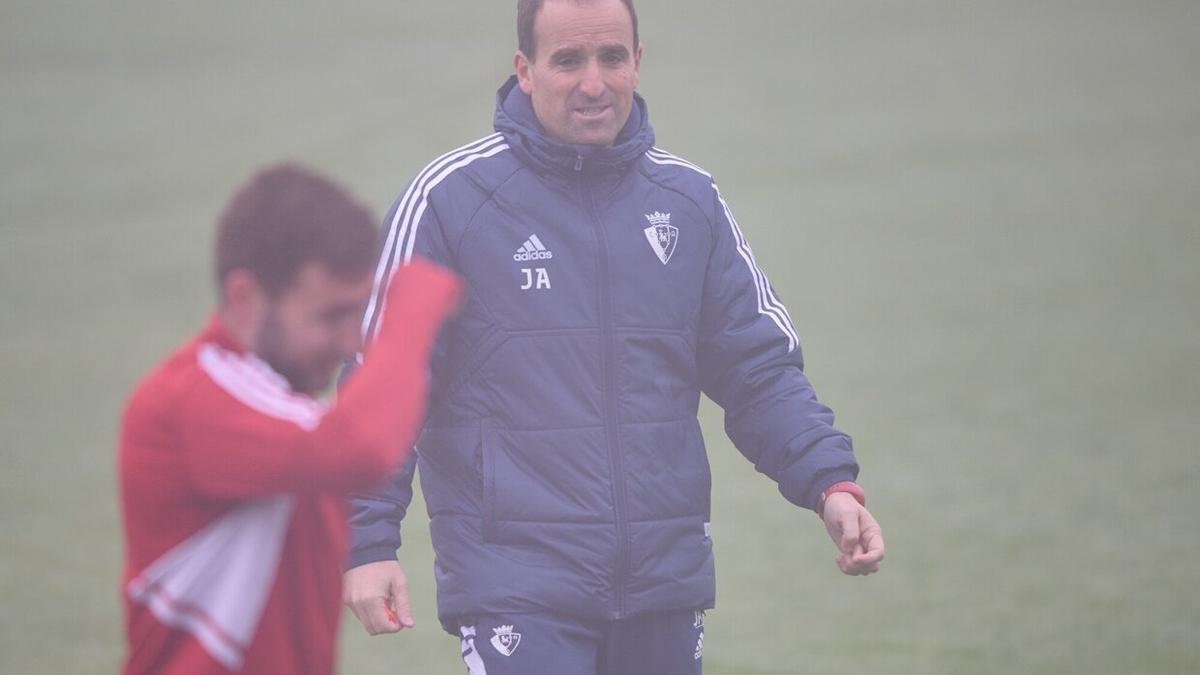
column 848, row 487
column 370, row 554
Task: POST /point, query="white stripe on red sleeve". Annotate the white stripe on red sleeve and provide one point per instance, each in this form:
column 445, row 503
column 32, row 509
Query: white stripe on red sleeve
column 253, row 383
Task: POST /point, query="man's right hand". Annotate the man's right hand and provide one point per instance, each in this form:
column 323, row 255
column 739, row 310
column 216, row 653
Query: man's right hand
column 377, row 593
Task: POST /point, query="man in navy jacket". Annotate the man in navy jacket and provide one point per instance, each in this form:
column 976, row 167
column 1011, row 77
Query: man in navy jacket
column 562, row 462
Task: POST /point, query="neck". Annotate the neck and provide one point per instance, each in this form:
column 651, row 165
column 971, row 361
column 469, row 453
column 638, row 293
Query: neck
column 237, row 330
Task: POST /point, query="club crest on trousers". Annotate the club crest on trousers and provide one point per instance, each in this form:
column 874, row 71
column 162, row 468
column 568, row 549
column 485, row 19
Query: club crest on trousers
column 505, row 640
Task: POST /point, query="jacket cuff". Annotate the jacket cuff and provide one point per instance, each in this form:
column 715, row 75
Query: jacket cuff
column 827, row 481
column 809, row 498
column 370, row 554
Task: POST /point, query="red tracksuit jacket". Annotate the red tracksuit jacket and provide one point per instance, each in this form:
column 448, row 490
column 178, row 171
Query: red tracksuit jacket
column 232, row 493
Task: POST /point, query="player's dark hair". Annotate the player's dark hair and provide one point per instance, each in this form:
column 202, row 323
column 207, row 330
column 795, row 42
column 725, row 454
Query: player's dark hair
column 285, row 216
column 527, row 11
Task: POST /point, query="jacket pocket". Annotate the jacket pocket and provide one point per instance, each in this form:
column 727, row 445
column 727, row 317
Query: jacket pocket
column 694, row 439
column 451, row 470
column 487, row 462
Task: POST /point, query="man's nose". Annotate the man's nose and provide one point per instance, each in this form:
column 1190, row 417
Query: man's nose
column 592, row 84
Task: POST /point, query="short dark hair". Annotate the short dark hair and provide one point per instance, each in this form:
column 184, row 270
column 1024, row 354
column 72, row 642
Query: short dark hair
column 527, row 11
column 285, row 216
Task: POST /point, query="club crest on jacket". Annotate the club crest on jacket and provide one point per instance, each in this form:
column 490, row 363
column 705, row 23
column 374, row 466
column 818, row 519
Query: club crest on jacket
column 662, row 235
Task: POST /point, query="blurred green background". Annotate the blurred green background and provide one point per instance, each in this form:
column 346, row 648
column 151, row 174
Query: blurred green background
column 984, row 217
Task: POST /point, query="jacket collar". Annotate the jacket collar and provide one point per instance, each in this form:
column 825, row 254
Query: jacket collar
column 525, row 136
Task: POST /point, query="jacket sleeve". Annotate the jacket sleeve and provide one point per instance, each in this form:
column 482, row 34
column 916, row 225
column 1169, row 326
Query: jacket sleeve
column 245, row 434
column 375, row 516
column 751, row 365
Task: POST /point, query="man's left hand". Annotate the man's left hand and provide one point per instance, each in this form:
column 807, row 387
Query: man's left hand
column 856, row 534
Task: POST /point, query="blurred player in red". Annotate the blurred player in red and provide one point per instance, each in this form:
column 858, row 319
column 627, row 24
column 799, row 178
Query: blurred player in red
column 232, row 474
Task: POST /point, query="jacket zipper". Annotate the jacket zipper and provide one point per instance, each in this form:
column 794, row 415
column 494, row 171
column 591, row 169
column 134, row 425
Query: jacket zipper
column 616, row 459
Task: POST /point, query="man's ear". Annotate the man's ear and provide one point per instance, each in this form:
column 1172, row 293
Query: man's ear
column 637, row 66
column 243, row 299
column 522, row 64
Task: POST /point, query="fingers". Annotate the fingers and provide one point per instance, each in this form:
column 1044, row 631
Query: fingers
column 370, row 592
column 865, row 556
column 841, row 519
column 855, row 567
column 848, row 542
column 871, row 547
column 402, row 617
column 375, row 614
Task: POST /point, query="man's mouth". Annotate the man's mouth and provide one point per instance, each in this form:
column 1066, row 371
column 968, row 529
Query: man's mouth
column 592, row 110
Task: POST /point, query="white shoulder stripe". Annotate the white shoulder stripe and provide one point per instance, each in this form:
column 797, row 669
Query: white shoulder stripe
column 254, row 384
column 407, row 221
column 415, row 220
column 768, row 304
column 395, row 233
column 668, row 158
column 407, row 202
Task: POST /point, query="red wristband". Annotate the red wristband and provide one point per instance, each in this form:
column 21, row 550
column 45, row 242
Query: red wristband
column 846, row 486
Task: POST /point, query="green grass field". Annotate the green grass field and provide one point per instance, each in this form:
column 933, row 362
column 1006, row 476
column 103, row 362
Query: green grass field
column 984, row 217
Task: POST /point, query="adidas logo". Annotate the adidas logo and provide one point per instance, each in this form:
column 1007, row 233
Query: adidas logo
column 532, row 249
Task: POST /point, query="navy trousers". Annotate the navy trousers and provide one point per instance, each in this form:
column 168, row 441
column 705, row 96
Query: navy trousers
column 665, row 643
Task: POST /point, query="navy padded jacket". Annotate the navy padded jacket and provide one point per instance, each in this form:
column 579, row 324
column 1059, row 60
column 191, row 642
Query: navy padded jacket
column 562, row 462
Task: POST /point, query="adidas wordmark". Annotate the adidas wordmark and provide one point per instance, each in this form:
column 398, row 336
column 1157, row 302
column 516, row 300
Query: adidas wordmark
column 532, row 249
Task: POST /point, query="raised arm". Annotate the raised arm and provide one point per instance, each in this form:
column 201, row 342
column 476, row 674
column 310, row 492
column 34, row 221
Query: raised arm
column 246, row 434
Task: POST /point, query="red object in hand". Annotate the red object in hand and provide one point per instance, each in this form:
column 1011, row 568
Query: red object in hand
column 390, row 614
